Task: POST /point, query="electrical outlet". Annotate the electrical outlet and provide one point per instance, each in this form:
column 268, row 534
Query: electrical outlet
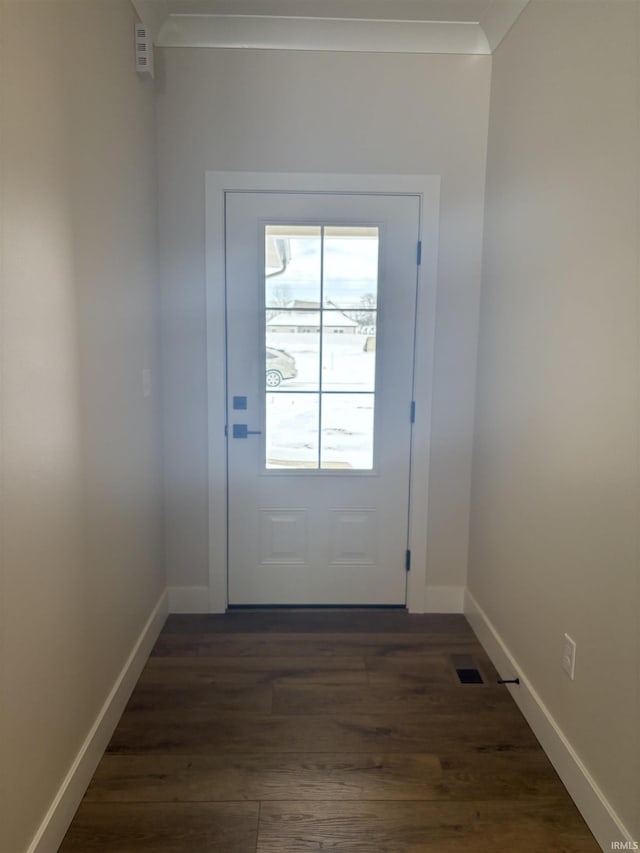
column 569, row 656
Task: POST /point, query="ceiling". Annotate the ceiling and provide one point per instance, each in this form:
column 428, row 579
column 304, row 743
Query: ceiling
column 396, row 26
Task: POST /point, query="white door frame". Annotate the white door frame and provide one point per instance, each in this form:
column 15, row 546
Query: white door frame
column 427, row 188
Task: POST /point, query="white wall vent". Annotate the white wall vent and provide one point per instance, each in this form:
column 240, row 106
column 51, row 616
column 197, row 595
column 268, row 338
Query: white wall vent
column 144, row 50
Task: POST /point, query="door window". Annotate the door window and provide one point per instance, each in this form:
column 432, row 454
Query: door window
column 320, row 321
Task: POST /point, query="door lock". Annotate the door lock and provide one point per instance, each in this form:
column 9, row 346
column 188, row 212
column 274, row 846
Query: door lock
column 242, row 431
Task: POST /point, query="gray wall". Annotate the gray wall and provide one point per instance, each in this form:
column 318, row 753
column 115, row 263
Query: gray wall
column 554, row 522
column 319, row 112
column 81, row 561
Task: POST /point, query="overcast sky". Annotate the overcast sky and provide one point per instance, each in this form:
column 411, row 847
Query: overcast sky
column 350, row 271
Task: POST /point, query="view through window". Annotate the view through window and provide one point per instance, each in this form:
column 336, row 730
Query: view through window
column 321, row 311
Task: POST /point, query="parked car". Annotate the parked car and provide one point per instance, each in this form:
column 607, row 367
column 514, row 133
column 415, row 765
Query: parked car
column 280, row 365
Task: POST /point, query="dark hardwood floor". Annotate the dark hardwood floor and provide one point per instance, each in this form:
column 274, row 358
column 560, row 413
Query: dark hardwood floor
column 342, row 731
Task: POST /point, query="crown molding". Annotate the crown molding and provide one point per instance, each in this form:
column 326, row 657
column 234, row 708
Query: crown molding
column 498, row 19
column 329, row 34
column 343, row 25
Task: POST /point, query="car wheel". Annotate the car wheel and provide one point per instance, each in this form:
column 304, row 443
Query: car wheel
column 274, row 378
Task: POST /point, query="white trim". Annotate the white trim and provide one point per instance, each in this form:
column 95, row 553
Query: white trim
column 65, row 803
column 334, row 34
column 499, row 17
column 188, row 599
column 597, row 811
column 392, row 27
column 444, row 599
column 428, row 188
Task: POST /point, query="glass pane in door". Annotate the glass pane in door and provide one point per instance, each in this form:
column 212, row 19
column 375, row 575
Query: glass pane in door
column 293, row 263
column 348, row 351
column 292, row 430
column 350, row 274
column 292, row 359
column 347, row 431
column 321, row 294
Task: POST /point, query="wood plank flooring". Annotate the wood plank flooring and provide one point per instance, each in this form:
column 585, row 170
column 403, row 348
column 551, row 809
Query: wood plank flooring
column 342, row 731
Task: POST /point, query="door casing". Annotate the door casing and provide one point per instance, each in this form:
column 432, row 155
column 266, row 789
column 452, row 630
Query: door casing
column 427, row 189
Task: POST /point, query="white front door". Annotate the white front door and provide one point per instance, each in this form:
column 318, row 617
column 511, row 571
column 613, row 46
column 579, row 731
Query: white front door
column 321, row 296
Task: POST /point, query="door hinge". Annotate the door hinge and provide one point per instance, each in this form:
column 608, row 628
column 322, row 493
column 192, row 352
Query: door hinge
column 419, row 253
column 407, row 560
column 412, row 413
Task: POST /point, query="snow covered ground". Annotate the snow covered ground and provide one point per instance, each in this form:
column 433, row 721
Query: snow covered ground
column 292, row 419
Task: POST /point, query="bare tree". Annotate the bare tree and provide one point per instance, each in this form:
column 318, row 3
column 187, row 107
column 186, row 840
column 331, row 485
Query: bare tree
column 279, row 297
column 366, row 316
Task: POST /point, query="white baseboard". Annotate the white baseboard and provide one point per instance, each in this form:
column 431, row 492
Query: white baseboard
column 597, row 811
column 444, row 599
column 60, row 814
column 188, row 599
